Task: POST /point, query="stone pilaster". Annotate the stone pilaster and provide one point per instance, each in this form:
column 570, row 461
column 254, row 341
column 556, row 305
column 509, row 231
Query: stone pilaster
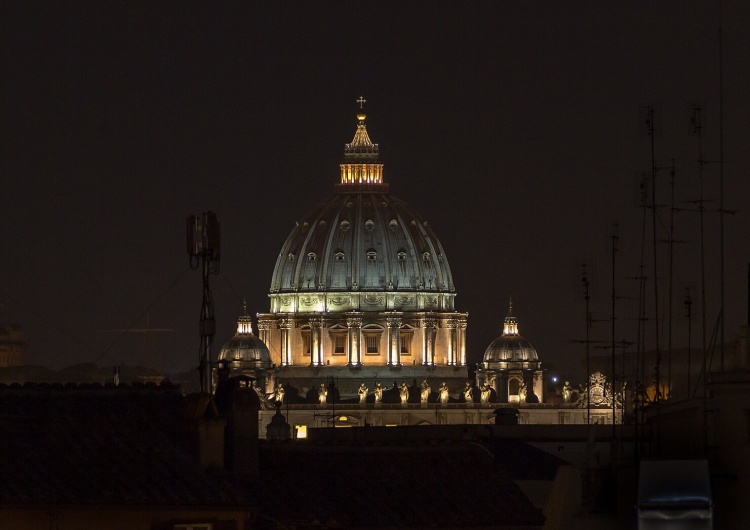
column 450, row 324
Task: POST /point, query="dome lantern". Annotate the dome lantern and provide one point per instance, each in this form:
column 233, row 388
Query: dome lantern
column 361, row 164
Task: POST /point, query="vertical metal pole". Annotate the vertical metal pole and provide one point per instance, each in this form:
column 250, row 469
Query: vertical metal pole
column 688, row 309
column 657, row 389
column 207, row 328
column 615, row 239
column 721, row 187
column 588, row 347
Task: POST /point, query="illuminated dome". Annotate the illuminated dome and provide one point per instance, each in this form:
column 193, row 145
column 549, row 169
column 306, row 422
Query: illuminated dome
column 510, row 346
column 361, row 240
column 245, row 350
column 362, row 288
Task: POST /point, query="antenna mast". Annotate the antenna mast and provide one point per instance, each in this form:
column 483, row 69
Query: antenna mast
column 203, row 248
column 615, row 239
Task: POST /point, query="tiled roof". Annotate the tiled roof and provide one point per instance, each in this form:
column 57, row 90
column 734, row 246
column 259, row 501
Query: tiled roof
column 101, row 446
column 355, row 485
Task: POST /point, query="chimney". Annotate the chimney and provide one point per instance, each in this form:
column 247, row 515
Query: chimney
column 205, row 431
column 238, row 405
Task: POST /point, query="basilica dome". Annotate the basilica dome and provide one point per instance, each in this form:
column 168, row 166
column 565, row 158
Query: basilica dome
column 510, row 346
column 361, row 240
column 362, row 284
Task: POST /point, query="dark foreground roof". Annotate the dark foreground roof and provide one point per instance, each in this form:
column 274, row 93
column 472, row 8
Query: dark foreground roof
column 358, row 485
column 101, row 446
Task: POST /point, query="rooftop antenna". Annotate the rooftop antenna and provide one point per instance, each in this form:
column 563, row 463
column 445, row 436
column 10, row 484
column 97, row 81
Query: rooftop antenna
column 585, row 281
column 203, row 248
column 640, row 356
column 615, row 239
column 589, row 321
column 697, row 121
column 688, row 303
column 654, row 169
column 721, row 188
column 671, row 240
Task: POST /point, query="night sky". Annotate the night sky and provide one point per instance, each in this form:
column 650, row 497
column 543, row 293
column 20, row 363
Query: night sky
column 517, row 129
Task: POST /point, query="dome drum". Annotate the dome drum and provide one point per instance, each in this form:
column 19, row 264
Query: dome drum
column 369, row 301
column 355, row 338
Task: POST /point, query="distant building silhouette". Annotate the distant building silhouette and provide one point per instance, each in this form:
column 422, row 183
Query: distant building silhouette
column 12, row 346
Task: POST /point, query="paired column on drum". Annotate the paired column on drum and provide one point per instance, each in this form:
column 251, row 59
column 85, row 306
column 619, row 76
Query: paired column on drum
column 316, row 346
column 285, row 324
column 461, row 341
column 428, row 341
column 451, row 325
column 355, row 340
column 394, row 341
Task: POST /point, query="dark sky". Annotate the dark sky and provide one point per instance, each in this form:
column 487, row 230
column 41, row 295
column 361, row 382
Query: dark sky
column 517, row 129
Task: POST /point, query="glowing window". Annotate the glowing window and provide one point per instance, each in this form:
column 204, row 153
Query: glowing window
column 306, row 341
column 339, row 343
column 300, row 432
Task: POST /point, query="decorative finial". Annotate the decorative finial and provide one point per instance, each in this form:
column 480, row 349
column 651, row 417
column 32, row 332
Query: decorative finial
column 510, row 327
column 361, row 101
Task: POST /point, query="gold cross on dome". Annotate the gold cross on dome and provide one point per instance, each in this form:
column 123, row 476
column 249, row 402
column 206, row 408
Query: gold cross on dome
column 361, row 101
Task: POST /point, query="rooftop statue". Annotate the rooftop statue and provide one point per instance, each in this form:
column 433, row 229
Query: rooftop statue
column 469, row 393
column 378, row 393
column 403, row 391
column 444, row 393
column 424, row 391
column 322, row 393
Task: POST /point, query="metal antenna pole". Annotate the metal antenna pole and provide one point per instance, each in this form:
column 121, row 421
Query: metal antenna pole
column 671, row 276
column 689, row 314
column 203, row 243
column 721, row 186
column 615, row 239
column 657, row 390
column 588, row 345
column 698, row 125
